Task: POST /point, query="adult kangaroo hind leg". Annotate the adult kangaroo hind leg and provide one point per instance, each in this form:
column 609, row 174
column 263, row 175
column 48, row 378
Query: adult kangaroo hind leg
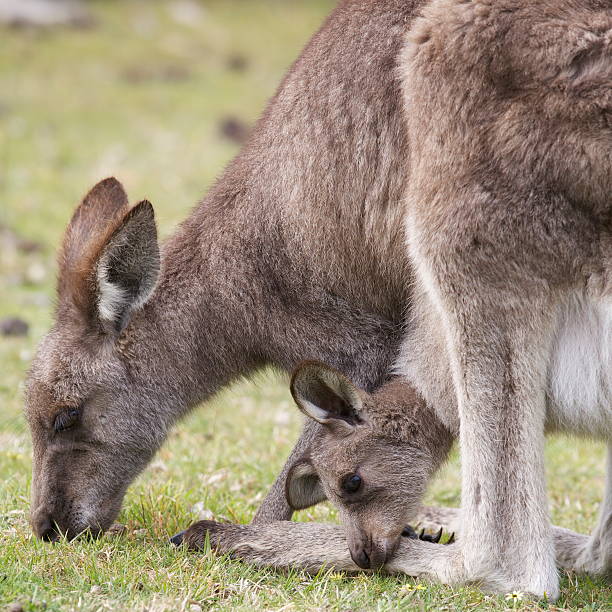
column 595, row 555
column 497, row 327
column 505, row 221
column 498, row 360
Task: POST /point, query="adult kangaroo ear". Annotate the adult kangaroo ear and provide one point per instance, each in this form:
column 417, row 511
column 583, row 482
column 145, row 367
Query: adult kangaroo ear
column 325, row 395
column 109, row 264
column 303, row 487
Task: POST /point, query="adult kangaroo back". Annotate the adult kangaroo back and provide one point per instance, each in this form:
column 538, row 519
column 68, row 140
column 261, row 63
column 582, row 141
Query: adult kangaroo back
column 296, row 253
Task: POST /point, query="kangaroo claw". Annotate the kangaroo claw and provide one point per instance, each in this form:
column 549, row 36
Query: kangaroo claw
column 451, row 539
column 431, row 538
column 409, row 532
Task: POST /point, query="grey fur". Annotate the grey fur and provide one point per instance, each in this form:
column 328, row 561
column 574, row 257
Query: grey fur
column 503, row 200
column 296, row 253
column 509, row 116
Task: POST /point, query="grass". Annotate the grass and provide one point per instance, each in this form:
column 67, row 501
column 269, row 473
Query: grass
column 141, row 96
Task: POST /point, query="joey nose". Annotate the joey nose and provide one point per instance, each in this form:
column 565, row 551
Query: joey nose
column 371, row 554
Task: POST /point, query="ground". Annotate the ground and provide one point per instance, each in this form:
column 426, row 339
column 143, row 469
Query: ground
column 157, row 94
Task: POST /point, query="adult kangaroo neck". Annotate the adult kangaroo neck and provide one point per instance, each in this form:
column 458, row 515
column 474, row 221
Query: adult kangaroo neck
column 239, row 291
column 298, row 250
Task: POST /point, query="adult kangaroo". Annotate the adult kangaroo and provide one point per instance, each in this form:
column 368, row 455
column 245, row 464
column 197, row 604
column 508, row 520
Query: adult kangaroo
column 509, row 233
column 298, row 252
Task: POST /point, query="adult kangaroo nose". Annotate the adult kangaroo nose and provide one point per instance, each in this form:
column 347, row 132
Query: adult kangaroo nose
column 361, row 556
column 44, row 527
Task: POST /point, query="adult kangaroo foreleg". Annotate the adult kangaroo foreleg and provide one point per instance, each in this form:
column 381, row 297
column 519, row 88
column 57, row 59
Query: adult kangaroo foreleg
column 355, row 342
column 275, row 506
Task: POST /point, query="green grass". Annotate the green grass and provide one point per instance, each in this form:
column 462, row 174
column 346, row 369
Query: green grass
column 140, row 96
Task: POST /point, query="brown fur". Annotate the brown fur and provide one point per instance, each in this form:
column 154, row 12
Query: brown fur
column 506, row 186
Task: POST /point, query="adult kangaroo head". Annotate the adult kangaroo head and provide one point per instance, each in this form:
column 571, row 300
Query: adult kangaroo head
column 89, row 440
column 373, row 458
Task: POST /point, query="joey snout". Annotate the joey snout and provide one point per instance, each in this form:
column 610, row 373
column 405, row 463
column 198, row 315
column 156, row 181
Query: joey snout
column 371, row 551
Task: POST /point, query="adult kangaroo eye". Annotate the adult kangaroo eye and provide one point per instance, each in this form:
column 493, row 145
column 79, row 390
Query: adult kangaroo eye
column 351, row 483
column 65, row 419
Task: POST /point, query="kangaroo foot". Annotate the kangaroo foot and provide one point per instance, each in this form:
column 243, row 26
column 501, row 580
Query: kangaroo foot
column 593, row 554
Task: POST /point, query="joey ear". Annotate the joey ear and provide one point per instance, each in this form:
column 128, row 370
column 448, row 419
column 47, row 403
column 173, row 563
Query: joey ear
column 127, row 267
column 326, row 395
column 303, row 487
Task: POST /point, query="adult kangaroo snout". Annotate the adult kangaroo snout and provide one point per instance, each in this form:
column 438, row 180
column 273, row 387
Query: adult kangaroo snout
column 296, row 253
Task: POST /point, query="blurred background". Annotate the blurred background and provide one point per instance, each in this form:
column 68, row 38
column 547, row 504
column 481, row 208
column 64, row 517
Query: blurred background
column 161, row 94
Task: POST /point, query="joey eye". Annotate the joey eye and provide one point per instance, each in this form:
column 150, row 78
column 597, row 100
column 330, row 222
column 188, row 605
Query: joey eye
column 65, row 420
column 351, row 483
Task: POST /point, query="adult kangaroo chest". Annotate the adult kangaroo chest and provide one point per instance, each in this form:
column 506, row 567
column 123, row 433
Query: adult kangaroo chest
column 580, row 370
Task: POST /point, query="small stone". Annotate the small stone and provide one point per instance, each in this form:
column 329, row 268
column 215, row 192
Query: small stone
column 282, row 418
column 159, row 466
column 186, row 12
column 203, row 514
column 234, row 129
column 195, row 608
column 13, row 326
column 95, row 589
column 35, row 273
column 42, row 13
column 14, row 607
column 237, row 62
column 209, row 480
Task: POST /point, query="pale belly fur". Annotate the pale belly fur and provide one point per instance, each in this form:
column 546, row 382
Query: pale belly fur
column 580, row 369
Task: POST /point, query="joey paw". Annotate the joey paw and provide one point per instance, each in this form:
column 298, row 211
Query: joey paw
column 177, row 539
column 220, row 536
column 409, row 532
